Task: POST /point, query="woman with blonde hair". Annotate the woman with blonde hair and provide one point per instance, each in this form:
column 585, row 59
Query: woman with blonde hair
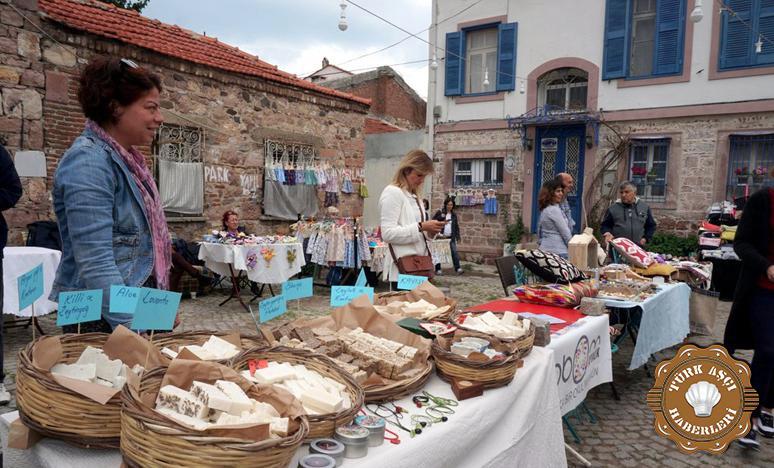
column 402, row 216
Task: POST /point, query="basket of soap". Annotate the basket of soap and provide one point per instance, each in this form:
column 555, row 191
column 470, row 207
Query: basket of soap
column 204, row 345
column 204, row 414
column 387, row 361
column 330, row 396
column 474, row 358
column 514, row 334
column 69, row 387
column 424, row 302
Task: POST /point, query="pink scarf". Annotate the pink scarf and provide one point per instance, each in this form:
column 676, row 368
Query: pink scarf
column 135, row 161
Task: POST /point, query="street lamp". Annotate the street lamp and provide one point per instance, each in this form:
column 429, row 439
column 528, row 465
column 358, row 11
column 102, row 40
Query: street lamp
column 343, row 18
column 697, row 14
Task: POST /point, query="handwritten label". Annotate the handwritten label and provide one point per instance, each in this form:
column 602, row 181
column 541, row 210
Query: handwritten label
column 361, row 278
column 342, row 295
column 298, row 289
column 156, row 310
column 30, row 286
column 124, row 299
column 78, row 307
column 272, row 308
column 410, row 281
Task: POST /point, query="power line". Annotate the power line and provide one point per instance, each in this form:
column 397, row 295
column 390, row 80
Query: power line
column 724, row 7
column 373, row 68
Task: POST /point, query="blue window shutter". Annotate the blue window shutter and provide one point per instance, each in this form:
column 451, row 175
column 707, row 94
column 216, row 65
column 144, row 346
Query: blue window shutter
column 615, row 58
column 765, row 28
column 506, row 56
column 670, row 31
column 736, row 43
column 455, row 69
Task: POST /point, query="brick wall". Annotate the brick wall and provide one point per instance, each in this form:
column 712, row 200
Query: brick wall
column 390, row 102
column 239, row 113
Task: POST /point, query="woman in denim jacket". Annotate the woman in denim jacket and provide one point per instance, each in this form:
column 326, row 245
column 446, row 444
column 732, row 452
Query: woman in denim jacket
column 107, row 205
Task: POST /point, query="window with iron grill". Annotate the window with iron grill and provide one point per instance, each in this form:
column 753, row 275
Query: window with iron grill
column 478, row 172
column 750, row 161
column 648, row 168
column 178, row 158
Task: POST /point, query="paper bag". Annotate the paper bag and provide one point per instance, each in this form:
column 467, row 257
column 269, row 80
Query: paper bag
column 703, row 308
column 21, row 437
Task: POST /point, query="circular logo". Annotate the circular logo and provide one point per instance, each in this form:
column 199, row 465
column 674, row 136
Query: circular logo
column 581, row 360
column 702, row 399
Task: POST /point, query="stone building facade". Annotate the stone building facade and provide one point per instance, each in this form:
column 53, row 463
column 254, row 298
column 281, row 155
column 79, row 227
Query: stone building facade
column 234, row 101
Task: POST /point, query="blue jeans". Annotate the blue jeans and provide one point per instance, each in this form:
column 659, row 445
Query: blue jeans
column 454, row 254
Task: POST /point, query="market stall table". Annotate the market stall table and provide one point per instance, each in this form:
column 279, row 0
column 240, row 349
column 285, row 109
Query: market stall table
column 518, row 425
column 582, row 355
column 232, row 259
column 20, row 260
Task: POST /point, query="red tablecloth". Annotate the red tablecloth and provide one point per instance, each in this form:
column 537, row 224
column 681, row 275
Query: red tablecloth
column 569, row 316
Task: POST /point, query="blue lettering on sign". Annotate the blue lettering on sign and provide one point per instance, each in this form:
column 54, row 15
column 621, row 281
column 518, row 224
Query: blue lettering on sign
column 78, row 307
column 272, row 308
column 30, row 287
column 157, row 310
column 298, row 289
column 124, row 299
column 410, row 281
column 343, row 295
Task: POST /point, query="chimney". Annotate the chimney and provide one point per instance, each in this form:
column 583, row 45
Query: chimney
column 325, row 62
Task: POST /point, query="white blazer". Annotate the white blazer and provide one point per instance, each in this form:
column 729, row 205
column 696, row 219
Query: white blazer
column 400, row 215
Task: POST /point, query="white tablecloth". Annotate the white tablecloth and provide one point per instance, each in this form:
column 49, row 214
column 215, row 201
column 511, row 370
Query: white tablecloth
column 514, row 426
column 20, row 260
column 248, row 258
column 665, row 321
column 582, row 359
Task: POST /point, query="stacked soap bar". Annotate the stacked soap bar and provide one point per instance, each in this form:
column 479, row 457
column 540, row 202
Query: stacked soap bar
column 318, row 394
column 357, row 352
column 94, row 366
column 510, row 326
column 223, row 403
column 214, row 349
column 420, row 309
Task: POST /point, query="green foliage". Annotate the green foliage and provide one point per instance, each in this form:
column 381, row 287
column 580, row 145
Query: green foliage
column 515, row 232
column 136, row 5
column 674, row 245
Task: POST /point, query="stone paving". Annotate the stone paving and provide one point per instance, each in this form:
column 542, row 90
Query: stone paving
column 622, row 435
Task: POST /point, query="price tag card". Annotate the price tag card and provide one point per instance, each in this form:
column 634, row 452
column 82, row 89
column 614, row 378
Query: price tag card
column 298, row 289
column 30, row 286
column 156, row 310
column 123, row 299
column 410, row 281
column 272, row 308
column 361, row 278
column 343, row 295
column 78, row 307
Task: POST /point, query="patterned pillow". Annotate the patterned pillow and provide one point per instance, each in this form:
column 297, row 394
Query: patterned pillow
column 549, row 266
column 632, row 252
column 557, row 295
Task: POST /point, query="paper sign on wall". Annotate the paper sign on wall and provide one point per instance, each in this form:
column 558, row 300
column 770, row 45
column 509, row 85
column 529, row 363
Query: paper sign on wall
column 361, row 278
column 124, row 299
column 78, row 307
column 30, row 287
column 297, row 289
column 272, row 308
column 410, row 281
column 342, row 295
column 156, row 310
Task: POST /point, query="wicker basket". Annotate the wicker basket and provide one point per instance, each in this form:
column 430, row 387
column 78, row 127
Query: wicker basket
column 148, row 439
column 199, row 337
column 492, row 374
column 385, row 298
column 520, row 346
column 320, row 425
column 399, row 389
column 58, row 412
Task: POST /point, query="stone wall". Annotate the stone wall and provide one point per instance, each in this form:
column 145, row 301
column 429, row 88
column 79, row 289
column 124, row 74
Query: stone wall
column 237, row 113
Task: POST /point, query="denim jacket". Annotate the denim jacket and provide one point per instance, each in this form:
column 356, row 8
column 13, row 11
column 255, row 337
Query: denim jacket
column 106, row 238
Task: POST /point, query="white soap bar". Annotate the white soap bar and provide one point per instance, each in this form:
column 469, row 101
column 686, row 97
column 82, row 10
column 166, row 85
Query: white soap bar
column 239, row 400
column 187, row 421
column 109, row 369
column 510, row 318
column 246, row 374
column 199, row 352
column 525, row 324
column 103, row 382
column 119, row 382
column 264, row 409
column 220, row 348
column 138, row 369
column 181, row 401
column 279, row 426
column 274, row 374
column 86, row 372
column 90, row 355
column 168, row 353
column 210, row 396
column 336, row 384
column 324, row 402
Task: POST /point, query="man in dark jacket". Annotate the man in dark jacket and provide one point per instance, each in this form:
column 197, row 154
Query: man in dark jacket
column 628, row 217
column 10, row 193
column 751, row 322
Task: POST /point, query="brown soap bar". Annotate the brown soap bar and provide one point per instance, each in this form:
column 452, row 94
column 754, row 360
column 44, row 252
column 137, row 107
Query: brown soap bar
column 464, row 389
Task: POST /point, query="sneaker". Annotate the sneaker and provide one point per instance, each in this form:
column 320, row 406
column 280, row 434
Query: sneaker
column 750, row 441
column 5, row 397
column 764, row 424
column 460, row 271
column 438, row 273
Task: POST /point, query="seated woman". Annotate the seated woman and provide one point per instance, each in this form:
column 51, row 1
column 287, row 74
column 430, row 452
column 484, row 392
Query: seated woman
column 553, row 232
column 230, row 221
column 185, row 261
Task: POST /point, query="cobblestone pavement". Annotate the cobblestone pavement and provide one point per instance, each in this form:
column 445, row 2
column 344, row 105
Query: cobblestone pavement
column 622, row 435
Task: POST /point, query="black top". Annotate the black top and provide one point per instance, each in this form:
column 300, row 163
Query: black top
column 440, row 215
column 10, row 192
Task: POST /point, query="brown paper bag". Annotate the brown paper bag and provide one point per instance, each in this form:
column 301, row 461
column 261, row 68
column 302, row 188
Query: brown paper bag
column 703, row 308
column 21, row 437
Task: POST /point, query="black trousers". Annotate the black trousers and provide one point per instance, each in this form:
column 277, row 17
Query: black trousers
column 762, row 366
column 2, row 319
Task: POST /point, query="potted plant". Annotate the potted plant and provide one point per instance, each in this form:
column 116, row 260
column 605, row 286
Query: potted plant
column 514, row 233
column 758, row 174
column 742, row 174
column 638, row 174
column 652, row 175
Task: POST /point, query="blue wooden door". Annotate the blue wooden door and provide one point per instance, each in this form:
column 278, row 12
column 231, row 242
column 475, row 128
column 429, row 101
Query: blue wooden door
column 559, row 149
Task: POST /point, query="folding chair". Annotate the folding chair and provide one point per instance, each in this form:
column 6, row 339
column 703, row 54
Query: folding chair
column 505, row 270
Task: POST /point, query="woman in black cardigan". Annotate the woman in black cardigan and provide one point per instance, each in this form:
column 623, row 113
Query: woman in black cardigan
column 751, row 322
column 451, row 230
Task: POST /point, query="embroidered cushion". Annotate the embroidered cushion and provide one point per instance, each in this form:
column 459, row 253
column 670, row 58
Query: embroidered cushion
column 633, row 253
column 549, row 266
column 556, row 295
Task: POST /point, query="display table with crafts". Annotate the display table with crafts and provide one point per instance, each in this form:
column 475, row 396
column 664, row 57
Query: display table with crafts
column 20, row 260
column 265, row 263
column 515, row 425
column 581, row 345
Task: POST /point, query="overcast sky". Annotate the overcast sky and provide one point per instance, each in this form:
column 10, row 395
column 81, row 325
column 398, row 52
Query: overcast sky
column 296, row 34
